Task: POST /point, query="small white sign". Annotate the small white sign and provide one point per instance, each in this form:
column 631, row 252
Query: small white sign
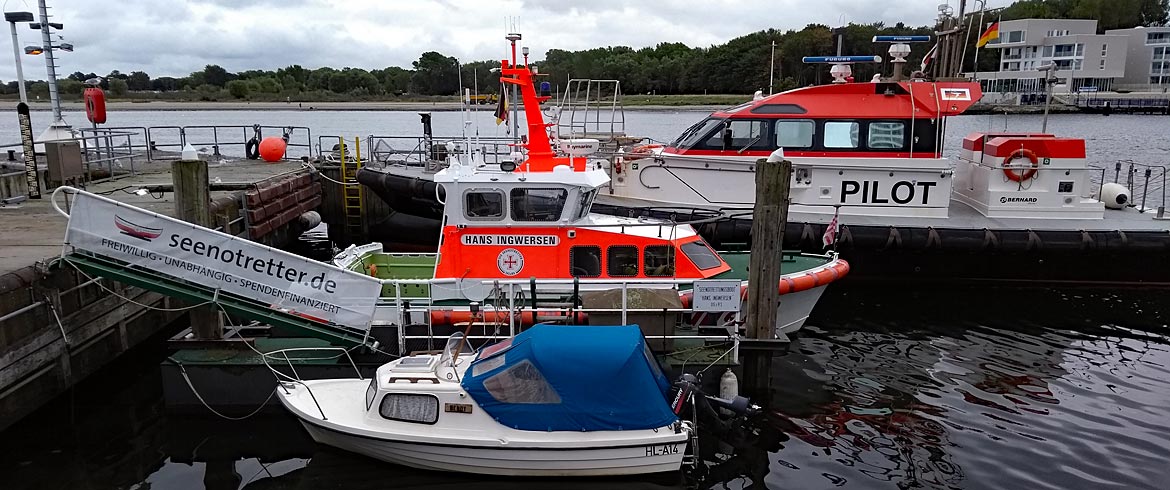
column 955, row 94
column 716, row 295
column 510, row 240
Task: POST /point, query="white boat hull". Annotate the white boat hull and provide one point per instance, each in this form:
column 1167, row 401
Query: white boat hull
column 505, row 462
column 333, row 414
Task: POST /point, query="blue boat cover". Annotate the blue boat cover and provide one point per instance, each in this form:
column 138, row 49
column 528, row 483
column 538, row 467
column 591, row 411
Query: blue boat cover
column 571, row 378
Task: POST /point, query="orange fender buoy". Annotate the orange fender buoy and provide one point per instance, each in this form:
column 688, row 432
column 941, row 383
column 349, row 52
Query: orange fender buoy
column 272, row 149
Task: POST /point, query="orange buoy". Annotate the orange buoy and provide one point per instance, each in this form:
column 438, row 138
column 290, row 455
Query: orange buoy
column 95, row 105
column 272, row 149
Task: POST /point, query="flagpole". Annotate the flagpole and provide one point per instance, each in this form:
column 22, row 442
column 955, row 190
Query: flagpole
column 982, row 8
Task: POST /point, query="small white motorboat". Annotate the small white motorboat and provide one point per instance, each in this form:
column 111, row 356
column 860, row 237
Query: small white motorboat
column 551, row 401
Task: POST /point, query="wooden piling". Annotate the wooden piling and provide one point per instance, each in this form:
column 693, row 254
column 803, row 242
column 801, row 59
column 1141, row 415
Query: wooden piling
column 773, row 180
column 193, row 205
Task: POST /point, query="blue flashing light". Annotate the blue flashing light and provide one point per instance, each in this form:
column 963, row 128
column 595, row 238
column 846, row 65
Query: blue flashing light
column 901, row 39
column 842, row 59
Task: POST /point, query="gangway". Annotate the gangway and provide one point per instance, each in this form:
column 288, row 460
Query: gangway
column 109, row 239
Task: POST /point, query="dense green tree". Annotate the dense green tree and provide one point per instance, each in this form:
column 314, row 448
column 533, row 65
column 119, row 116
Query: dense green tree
column 138, row 80
column 435, row 74
column 239, row 89
column 70, row 87
column 118, row 87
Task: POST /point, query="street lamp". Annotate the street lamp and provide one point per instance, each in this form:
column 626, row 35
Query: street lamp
column 12, row 18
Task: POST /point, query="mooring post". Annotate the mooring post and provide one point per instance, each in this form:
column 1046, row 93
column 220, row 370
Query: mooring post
column 193, row 205
column 773, row 177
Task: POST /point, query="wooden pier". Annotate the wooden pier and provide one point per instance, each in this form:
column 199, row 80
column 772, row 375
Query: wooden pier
column 58, row 325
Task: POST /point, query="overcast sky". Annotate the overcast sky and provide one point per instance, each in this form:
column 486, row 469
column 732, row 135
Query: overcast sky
column 176, row 37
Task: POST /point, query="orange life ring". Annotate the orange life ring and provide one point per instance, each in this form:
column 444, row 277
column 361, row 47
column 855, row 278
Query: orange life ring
column 641, row 151
column 95, row 105
column 1017, row 173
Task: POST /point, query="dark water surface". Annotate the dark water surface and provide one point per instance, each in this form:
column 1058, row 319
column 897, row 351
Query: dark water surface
column 961, row 388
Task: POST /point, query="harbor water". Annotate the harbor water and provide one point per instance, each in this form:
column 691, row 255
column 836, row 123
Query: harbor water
column 966, row 388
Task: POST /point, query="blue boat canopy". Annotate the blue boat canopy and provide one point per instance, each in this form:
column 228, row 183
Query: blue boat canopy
column 571, row 378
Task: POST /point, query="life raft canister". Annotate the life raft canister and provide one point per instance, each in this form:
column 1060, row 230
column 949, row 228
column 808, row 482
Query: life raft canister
column 1020, row 173
column 95, row 105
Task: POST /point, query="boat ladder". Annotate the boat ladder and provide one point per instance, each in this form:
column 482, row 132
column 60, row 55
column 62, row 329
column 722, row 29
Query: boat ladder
column 352, row 194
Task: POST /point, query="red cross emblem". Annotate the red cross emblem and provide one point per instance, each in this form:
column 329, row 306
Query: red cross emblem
column 510, row 262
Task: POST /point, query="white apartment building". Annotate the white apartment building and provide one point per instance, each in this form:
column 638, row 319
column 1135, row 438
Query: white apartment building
column 1147, row 64
column 1084, row 60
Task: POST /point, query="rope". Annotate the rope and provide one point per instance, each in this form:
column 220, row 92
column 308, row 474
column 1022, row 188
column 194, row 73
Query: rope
column 323, row 176
column 183, row 371
column 108, row 290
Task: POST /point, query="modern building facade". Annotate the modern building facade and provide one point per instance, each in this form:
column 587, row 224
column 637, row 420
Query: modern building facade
column 1084, row 60
column 1147, row 61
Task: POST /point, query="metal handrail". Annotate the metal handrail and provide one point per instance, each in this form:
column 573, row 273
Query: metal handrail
column 296, row 378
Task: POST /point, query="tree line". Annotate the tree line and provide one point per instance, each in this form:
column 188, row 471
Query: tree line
column 757, row 61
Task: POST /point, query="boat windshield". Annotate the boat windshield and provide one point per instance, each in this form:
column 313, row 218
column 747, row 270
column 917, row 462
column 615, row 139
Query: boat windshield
column 694, row 134
column 457, row 346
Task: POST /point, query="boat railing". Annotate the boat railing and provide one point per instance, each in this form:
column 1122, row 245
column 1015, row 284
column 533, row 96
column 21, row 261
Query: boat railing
column 1135, row 174
column 512, row 304
column 591, row 109
column 420, row 150
column 295, row 378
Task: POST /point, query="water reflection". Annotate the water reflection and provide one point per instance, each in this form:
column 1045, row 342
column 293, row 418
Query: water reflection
column 947, row 389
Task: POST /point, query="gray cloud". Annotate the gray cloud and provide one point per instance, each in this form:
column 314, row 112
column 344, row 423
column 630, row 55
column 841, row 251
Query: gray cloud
column 173, row 38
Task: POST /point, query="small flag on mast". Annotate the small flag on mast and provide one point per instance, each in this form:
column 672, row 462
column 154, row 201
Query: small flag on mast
column 929, row 57
column 502, row 107
column 992, row 32
column 830, row 236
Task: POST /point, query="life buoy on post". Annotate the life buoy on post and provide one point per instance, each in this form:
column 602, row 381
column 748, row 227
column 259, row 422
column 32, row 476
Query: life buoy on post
column 1019, row 173
column 95, row 105
column 641, row 151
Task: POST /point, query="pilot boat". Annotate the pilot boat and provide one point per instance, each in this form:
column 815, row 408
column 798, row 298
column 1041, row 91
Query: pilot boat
column 552, row 401
column 525, row 229
column 869, row 157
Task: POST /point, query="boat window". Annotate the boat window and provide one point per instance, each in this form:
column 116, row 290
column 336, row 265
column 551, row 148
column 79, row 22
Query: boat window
column 483, row 204
column 621, row 261
column 795, row 133
column 841, row 134
column 409, row 407
column 585, row 260
column 779, row 109
column 538, row 204
column 886, row 135
column 585, row 203
column 924, row 135
column 736, row 135
column 694, row 134
column 658, row 261
column 701, row 255
column 371, row 391
column 521, row 383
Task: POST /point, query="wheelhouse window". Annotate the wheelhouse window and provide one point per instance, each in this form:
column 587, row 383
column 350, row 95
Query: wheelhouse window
column 841, row 134
column 538, row 204
column 584, row 202
column 658, row 261
column 795, row 133
column 485, row 204
column 621, row 261
column 701, row 255
column 407, row 407
column 739, row 135
column 695, row 134
column 886, row 135
column 585, row 261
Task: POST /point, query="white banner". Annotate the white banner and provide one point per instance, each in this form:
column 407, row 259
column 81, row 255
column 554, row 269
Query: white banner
column 218, row 260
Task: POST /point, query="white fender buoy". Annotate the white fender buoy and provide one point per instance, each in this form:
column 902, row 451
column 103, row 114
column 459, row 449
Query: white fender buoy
column 728, row 389
column 1114, row 195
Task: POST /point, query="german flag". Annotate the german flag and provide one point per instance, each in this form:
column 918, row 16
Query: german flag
column 992, row 32
column 502, row 107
